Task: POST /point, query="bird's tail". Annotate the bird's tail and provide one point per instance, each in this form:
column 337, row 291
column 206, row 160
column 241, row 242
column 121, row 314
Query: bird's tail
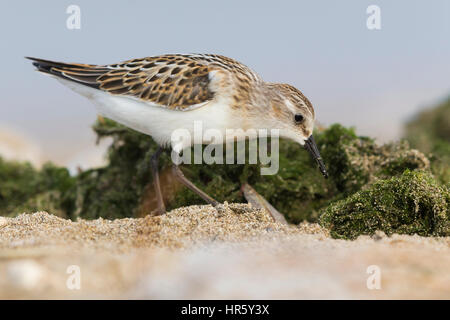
column 85, row 74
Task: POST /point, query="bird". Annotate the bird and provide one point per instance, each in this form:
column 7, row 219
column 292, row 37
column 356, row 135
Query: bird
column 159, row 94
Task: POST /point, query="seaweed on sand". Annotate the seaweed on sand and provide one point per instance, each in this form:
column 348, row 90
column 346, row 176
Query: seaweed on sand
column 387, row 187
column 298, row 190
column 412, row 203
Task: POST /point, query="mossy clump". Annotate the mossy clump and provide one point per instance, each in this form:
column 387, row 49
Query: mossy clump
column 354, row 161
column 26, row 189
column 114, row 191
column 412, row 203
column 124, row 186
column 298, row 190
column 429, row 132
column 387, row 197
column 119, row 189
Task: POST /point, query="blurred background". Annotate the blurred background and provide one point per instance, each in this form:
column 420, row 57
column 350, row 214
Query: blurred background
column 375, row 80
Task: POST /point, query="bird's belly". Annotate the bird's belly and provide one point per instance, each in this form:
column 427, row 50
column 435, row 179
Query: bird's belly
column 159, row 122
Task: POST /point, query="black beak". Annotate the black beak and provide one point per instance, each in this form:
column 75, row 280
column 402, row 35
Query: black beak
column 311, row 146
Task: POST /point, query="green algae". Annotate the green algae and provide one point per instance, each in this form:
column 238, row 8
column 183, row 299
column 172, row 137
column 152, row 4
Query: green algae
column 370, row 186
column 429, row 132
column 298, row 189
column 357, row 161
column 412, row 203
column 25, row 189
column 114, row 191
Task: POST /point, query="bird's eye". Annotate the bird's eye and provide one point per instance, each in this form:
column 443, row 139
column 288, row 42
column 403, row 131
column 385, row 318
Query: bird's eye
column 298, row 118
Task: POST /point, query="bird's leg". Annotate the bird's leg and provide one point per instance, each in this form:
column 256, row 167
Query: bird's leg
column 180, row 176
column 154, row 164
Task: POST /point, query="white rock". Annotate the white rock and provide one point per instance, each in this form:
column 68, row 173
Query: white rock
column 25, row 274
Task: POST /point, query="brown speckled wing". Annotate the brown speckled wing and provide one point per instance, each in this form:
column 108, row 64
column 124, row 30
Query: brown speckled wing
column 174, row 81
column 177, row 82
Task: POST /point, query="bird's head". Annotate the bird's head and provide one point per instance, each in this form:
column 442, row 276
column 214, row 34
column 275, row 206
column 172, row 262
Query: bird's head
column 294, row 115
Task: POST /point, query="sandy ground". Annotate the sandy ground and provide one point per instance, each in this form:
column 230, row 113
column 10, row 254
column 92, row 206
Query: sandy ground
column 199, row 253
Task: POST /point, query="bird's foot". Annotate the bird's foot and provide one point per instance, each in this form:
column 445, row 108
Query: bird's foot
column 159, row 211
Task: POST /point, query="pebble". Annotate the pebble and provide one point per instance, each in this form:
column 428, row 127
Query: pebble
column 3, row 222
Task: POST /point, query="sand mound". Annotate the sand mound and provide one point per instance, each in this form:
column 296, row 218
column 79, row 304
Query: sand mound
column 180, row 228
column 200, row 252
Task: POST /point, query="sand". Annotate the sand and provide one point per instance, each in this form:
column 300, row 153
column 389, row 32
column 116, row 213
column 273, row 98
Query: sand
column 198, row 252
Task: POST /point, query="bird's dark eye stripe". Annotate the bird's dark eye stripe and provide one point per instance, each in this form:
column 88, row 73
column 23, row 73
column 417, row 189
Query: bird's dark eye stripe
column 298, row 118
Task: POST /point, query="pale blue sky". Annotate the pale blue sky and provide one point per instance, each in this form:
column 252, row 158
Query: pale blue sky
column 373, row 80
